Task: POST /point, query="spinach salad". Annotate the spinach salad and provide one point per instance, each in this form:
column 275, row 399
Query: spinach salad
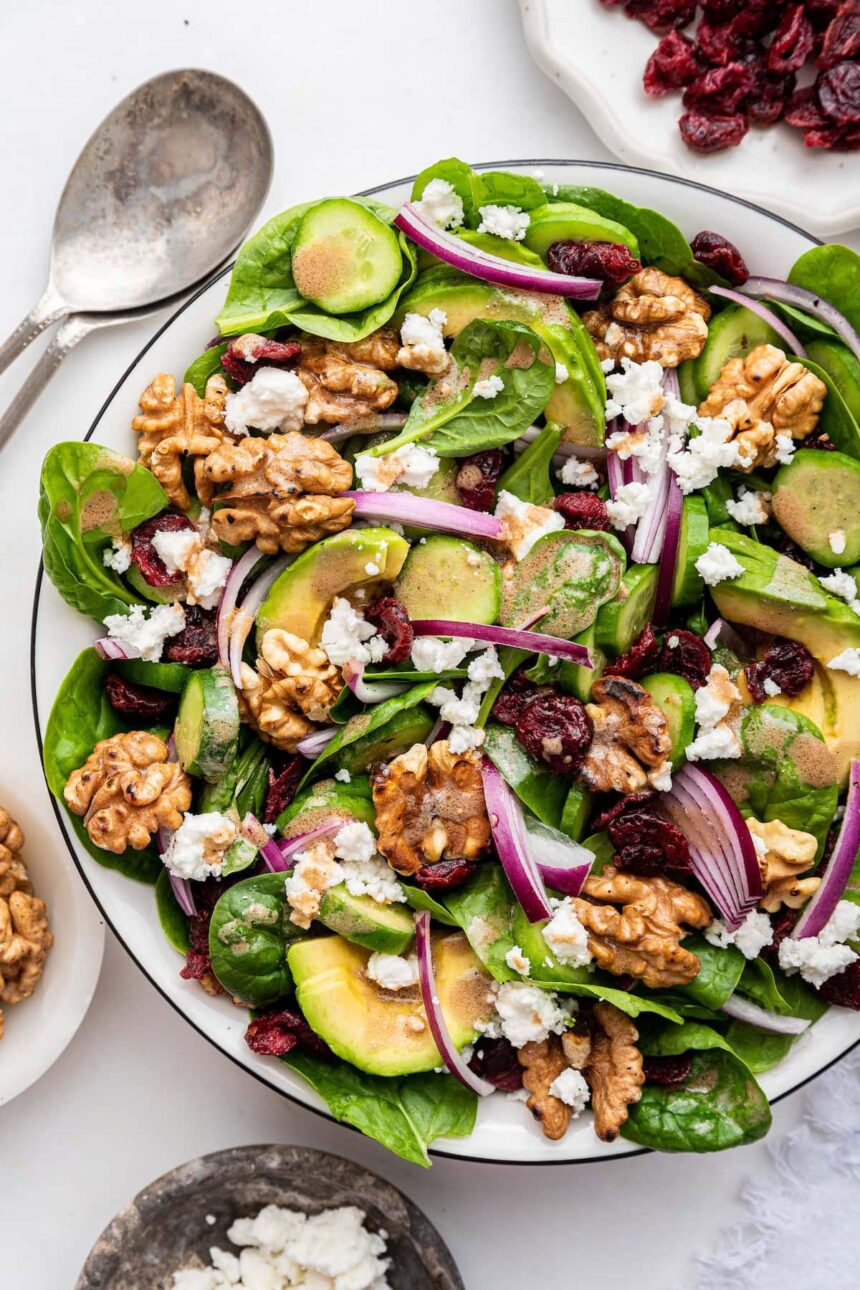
column 477, row 672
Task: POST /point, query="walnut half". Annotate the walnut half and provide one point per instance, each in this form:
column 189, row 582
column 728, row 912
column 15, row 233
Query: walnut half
column 614, row 1070
column 25, row 936
column 293, row 687
column 653, row 316
column 172, row 426
column 630, row 734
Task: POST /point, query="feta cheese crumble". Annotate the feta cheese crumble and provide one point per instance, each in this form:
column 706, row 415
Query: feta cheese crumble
column 146, row 636
column 117, row 556
column 785, row 448
column 754, row 933
column 528, row 1014
column 392, row 971
column 566, row 936
column 196, row 850
column 629, row 504
column 842, row 584
column 509, row 222
column 413, row 466
column 818, row 958
column 771, row 688
column 571, row 1087
column 182, row 552
column 349, row 858
column 836, row 541
column 343, row 776
column 346, row 636
column 272, row 400
column 579, row 474
column 717, row 703
column 485, row 667
column 524, row 524
column 561, row 373
column 517, row 961
column 442, row 204
column 848, row 661
column 697, row 462
column 750, row 508
column 422, row 337
column 489, row 387
column 314, row 871
column 636, row 392
column 430, row 654
column 717, row 565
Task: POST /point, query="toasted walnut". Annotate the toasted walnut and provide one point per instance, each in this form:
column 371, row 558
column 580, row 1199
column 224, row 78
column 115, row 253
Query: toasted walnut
column 614, row 1070
column 576, row 1049
column 642, row 938
column 346, row 381
column 127, row 790
column 293, row 687
column 542, row 1063
column 652, row 316
column 630, row 733
column 173, row 426
column 788, row 853
column 281, row 491
column 763, row 395
column 430, row 806
column 25, row 937
column 13, row 875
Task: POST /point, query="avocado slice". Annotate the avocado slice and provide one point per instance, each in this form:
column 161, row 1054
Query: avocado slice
column 832, row 702
column 577, row 403
column 375, row 1029
column 815, row 495
column 300, row 598
column 568, row 222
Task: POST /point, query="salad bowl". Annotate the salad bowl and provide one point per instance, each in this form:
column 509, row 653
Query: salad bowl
column 503, row 1133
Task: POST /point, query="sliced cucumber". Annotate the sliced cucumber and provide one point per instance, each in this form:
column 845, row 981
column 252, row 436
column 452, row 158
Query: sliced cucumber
column 386, row 928
column 172, row 677
column 688, row 584
column 344, row 258
column 446, row 577
column 732, row 333
column 677, row 700
column 566, row 221
column 543, row 962
column 687, row 382
column 577, row 808
column 620, row 622
column 576, row 679
column 411, row 726
column 207, row 724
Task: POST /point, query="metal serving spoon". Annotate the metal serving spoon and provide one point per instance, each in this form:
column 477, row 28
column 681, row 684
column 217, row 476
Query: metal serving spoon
column 163, row 191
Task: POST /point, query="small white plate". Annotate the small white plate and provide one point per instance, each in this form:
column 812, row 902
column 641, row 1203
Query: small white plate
column 597, row 56
column 39, row 1028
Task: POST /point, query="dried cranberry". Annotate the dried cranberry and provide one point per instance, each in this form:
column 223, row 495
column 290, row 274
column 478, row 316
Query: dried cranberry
column 556, row 729
column 804, row 110
column 496, row 1060
column 769, row 96
column 281, row 788
column 149, row 706
column 721, row 10
column 721, row 255
column 582, row 511
column 445, row 875
column 477, row 479
column 844, row 988
column 660, row 15
column 388, row 615
column 144, row 554
column 674, row 63
column 721, row 90
column 667, row 1070
column 608, row 261
column 198, row 964
column 244, row 357
column 842, row 37
column 834, row 138
column 792, row 41
column 839, row 93
column 820, row 441
column 757, row 17
column 687, row 655
column 707, row 134
column 783, row 925
column 517, row 693
column 196, row 645
column 629, row 803
column 279, row 1030
column 721, row 43
column 787, row 663
column 639, row 660
column 646, row 844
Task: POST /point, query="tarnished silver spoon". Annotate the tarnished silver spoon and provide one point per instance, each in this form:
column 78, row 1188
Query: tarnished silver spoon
column 164, row 190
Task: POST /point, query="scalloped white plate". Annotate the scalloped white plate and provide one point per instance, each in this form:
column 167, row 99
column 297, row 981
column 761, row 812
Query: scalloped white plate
column 505, row 1131
column 597, row 56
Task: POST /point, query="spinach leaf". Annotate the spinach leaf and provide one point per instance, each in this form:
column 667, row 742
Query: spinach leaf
column 759, row 1050
column 247, row 940
column 80, row 717
column 602, row 849
column 635, row 1005
column 262, row 294
column 804, row 325
column 719, row 1105
column 836, row 418
column 462, row 179
column 831, row 271
column 174, row 924
column 484, row 909
column 404, row 1114
column 801, row 1000
column 536, row 786
column 656, row 1040
column 209, row 362
column 720, row 970
column 450, row 418
column 88, row 495
column 367, row 723
column 417, row 898
column 528, row 478
column 346, row 705
column 758, row 982
column 481, row 188
column 244, row 785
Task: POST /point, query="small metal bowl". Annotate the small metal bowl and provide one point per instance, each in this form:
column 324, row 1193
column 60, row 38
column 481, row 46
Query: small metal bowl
column 164, row 1228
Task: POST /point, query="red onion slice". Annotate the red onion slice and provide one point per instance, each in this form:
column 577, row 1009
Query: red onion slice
column 181, row 887
column 753, row 1015
column 562, row 863
column 509, row 834
column 106, row 647
column 817, row 913
column 245, row 616
column 312, row 745
column 363, row 425
column 435, row 1016
column 785, row 293
column 224, row 617
column 424, row 513
column 288, row 847
column 766, row 315
column 669, row 553
column 535, row 642
column 478, row 263
column 263, row 840
column 369, row 691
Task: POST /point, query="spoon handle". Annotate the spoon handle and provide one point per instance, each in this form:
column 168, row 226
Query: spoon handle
column 47, row 311
column 73, row 329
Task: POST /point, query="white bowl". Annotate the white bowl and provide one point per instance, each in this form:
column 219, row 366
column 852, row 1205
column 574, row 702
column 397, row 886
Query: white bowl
column 505, row 1131
column 597, row 56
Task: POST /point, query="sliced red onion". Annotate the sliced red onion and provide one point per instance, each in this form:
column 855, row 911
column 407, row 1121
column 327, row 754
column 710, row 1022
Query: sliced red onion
column 512, row 844
column 766, row 315
column 369, row 691
column 312, row 745
column 106, row 647
column 534, row 642
column 669, row 553
column 363, row 425
column 478, row 263
column 224, row 617
column 435, row 1016
column 288, row 847
column 722, row 633
column 424, row 513
column 181, row 887
column 263, row 840
column 785, row 293
column 246, row 615
column 743, row 1010
column 563, row 864
column 619, row 473
column 835, row 879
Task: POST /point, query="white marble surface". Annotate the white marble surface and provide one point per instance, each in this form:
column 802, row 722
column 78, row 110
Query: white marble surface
column 356, row 92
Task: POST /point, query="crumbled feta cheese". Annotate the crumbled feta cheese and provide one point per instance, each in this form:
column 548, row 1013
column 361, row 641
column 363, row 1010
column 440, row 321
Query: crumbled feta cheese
column 412, row 466
column 842, row 584
column 528, row 1014
column 355, row 842
column 517, row 961
column 196, row 849
column 836, row 541
column 818, row 958
column 785, row 448
column 430, row 654
column 504, row 221
column 718, row 564
column 717, row 703
column 561, row 373
column 607, row 364
column 441, row 203
column 314, row 871
column 462, row 710
column 566, row 936
column 373, row 878
column 489, row 387
column 848, row 661
column 182, row 551
column 636, row 392
column 422, row 336
column 146, row 636
column 463, row 738
column 629, row 504
column 272, row 400
column 699, row 462
column 750, row 508
column 571, row 1088
column 343, row 776
column 524, row 524
column 771, row 688
column 579, row 474
column 660, row 777
column 486, row 667
column 750, row 938
column 371, row 569
column 347, row 636
column 117, row 556
column 393, row 972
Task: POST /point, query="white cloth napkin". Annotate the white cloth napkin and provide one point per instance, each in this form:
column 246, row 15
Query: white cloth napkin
column 802, row 1224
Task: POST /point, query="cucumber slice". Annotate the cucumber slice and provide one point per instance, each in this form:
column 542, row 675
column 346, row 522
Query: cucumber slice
column 677, row 700
column 577, row 808
column 688, row 585
column 576, row 679
column 446, row 577
column 158, row 595
column 344, row 258
column 620, row 622
column 207, row 725
column 818, row 494
column 732, row 333
column 687, row 383
column 386, row 928
column 411, row 726
column 566, row 221
column 172, row 677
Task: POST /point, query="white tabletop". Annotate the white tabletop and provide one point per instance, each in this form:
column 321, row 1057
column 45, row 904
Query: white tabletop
column 356, row 92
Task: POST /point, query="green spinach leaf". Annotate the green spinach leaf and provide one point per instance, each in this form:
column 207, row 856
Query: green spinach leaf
column 535, row 785
column 417, row 898
column 244, row 785
column 528, row 478
column 836, row 418
column 758, row 982
column 462, row 179
column 174, row 923
column 209, row 362
column 831, row 271
column 720, row 970
column 484, row 909
column 247, row 940
column 759, row 1050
